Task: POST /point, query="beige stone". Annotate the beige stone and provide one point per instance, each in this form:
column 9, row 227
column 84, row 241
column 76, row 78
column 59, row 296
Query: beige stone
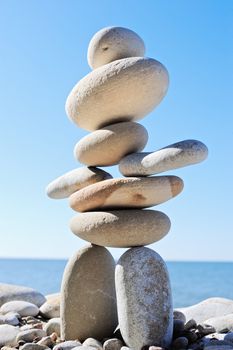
column 121, row 228
column 124, row 90
column 108, row 145
column 74, row 180
column 144, row 300
column 113, row 43
column 174, row 156
column 88, row 304
column 51, row 308
column 132, row 192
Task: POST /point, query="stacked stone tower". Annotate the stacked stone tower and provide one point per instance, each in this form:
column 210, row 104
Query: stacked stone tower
column 123, row 87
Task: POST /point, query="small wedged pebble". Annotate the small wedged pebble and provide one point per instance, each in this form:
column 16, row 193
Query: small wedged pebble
column 93, row 343
column 190, row 325
column 113, row 344
column 30, row 334
column 53, row 326
column 67, row 345
column 180, row 343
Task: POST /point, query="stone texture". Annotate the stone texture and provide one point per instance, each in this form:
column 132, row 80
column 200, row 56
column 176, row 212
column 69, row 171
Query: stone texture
column 67, row 345
column 53, row 326
column 51, row 308
column 144, row 301
column 113, row 43
column 11, row 318
column 208, row 308
column 131, row 192
column 8, row 335
column 10, row 292
column 33, row 346
column 31, row 334
column 74, row 180
column 121, row 228
column 23, row 308
column 174, row 156
column 124, row 90
column 109, row 145
column 113, row 344
column 88, row 304
column 221, row 322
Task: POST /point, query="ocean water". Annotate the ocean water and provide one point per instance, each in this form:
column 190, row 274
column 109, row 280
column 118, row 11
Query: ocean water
column 191, row 281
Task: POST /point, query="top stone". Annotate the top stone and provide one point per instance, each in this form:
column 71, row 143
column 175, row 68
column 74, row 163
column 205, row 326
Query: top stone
column 113, row 43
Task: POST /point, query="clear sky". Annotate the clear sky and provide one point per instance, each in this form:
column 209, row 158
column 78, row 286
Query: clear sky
column 43, row 47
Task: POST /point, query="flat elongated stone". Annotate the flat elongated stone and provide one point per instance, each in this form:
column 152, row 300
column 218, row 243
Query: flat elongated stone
column 144, row 301
column 113, row 43
column 123, row 90
column 133, row 192
column 88, row 301
column 174, row 156
column 109, row 145
column 121, row 228
column 74, row 180
column 23, row 308
column 9, row 292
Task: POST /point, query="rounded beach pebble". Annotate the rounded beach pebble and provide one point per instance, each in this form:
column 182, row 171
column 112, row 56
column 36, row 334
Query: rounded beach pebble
column 23, row 308
column 74, row 180
column 124, row 90
column 144, row 301
column 88, row 300
column 8, row 335
column 109, row 145
column 51, row 308
column 113, row 43
column 10, row 292
column 133, row 192
column 121, row 228
column 174, row 156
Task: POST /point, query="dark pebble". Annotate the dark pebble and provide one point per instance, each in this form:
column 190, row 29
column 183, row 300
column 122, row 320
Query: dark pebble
column 205, row 329
column 191, row 324
column 180, row 343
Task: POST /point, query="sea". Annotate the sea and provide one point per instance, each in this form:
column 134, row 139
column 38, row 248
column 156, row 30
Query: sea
column 191, row 282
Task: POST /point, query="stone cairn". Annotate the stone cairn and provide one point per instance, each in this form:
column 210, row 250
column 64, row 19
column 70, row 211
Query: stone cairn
column 123, row 87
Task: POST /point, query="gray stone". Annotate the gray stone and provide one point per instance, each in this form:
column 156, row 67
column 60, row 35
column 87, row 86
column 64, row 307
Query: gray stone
column 91, row 342
column 144, row 299
column 11, row 318
column 47, row 341
column 123, row 193
column 121, row 228
column 88, row 304
column 174, row 156
column 113, row 344
column 109, row 145
column 229, row 337
column 74, row 180
column 123, row 90
column 53, row 326
column 67, row 345
column 178, row 315
column 212, row 307
column 23, row 308
column 8, row 335
column 30, row 334
column 113, row 43
column 33, row 346
column 51, row 308
column 221, row 322
column 9, row 292
column 180, row 343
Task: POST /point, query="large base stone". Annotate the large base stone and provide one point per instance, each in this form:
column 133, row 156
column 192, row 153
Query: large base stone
column 144, row 301
column 88, row 304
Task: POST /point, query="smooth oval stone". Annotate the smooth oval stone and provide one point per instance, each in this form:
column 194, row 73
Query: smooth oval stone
column 113, row 43
column 51, row 308
column 109, row 145
column 133, row 192
column 23, row 308
column 67, row 345
column 10, row 292
column 121, row 228
column 74, row 180
column 174, row 156
column 144, row 301
column 208, row 308
column 88, row 301
column 91, row 342
column 53, row 326
column 124, row 90
column 30, row 334
column 8, row 335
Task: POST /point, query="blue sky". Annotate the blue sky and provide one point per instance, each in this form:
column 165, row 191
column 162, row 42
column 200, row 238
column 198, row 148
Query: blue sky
column 43, row 47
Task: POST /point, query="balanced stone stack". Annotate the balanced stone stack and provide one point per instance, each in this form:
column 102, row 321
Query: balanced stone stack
column 123, row 87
